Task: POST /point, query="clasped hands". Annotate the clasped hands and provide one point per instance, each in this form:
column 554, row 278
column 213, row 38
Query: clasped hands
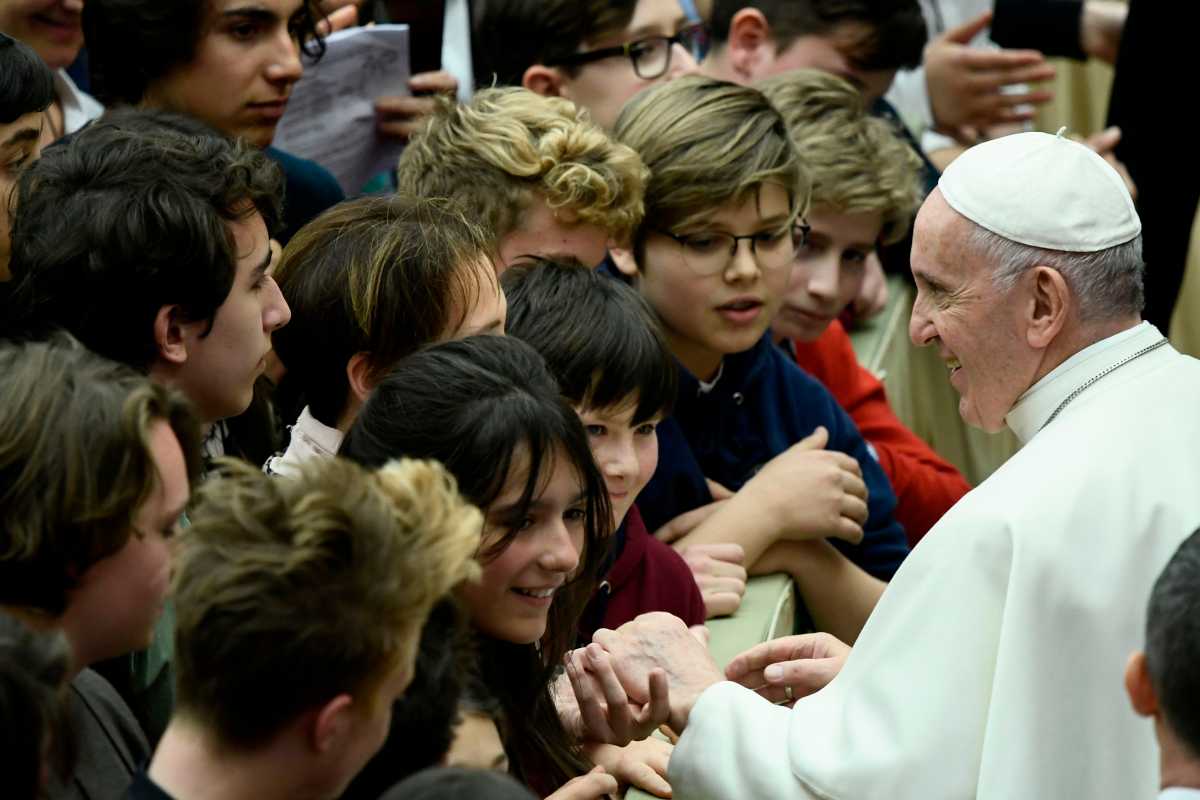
column 652, row 670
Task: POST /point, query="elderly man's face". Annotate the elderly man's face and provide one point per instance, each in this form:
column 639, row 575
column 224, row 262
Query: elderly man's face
column 976, row 327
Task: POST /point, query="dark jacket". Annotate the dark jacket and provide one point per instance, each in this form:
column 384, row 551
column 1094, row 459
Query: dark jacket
column 762, row 405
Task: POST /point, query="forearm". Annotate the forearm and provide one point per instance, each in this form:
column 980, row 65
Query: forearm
column 839, row 595
column 740, row 520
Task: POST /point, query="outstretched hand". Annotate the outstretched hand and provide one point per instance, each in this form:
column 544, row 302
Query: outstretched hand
column 802, row 664
column 965, row 83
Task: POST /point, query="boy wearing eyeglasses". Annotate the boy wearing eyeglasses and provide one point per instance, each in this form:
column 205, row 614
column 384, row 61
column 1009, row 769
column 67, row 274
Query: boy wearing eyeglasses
column 757, row 452
column 866, row 189
column 596, row 53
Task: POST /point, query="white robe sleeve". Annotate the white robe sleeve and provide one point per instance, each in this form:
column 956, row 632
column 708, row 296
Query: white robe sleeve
column 908, row 714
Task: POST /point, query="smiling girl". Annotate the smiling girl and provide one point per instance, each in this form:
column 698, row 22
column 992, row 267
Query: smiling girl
column 487, row 408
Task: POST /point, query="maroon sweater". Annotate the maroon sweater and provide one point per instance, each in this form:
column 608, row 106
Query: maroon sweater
column 646, row 576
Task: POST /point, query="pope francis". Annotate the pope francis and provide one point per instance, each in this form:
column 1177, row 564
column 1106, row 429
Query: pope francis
column 992, row 666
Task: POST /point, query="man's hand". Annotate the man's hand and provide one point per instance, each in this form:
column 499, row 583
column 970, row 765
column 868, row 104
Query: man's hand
column 815, row 493
column 719, row 572
column 596, row 785
column 661, row 641
column 1101, row 28
column 401, row 116
column 803, row 663
column 873, row 294
column 642, row 764
column 965, row 82
column 605, row 713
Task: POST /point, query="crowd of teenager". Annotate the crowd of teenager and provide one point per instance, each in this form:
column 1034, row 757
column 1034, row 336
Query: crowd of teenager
column 302, row 495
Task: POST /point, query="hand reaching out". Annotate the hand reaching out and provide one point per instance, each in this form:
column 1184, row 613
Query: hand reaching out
column 642, row 764
column 803, row 664
column 965, row 82
column 719, row 572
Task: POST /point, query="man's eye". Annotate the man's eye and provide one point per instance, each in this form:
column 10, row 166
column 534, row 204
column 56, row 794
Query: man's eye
column 244, row 31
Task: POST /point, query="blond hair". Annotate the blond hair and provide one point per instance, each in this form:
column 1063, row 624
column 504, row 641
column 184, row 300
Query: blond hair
column 708, row 143
column 858, row 163
column 494, row 154
column 291, row 591
column 76, row 463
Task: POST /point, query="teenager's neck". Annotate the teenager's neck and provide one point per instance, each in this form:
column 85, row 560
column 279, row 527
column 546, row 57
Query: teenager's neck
column 190, row 765
column 1179, row 766
column 696, row 359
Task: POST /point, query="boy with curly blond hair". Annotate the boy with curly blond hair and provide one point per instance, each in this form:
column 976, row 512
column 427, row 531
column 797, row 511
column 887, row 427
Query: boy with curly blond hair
column 545, row 180
column 300, row 602
column 866, row 189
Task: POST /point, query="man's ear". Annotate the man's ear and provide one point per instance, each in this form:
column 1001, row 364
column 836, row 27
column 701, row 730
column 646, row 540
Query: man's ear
column 750, row 47
column 169, row 335
column 626, row 263
column 330, row 724
column 1138, row 686
column 543, row 80
column 1048, row 306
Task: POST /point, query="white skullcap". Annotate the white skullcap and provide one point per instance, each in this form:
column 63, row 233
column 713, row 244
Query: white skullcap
column 1044, row 191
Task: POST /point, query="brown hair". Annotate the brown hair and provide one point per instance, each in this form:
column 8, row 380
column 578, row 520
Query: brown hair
column 857, row 162
column 495, row 153
column 708, row 143
column 75, row 463
column 335, row 570
column 379, row 275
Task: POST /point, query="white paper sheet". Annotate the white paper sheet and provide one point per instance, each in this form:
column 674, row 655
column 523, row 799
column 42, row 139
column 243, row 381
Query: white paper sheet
column 330, row 117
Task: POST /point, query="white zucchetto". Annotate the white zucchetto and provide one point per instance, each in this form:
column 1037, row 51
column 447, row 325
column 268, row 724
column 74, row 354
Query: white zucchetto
column 1044, row 191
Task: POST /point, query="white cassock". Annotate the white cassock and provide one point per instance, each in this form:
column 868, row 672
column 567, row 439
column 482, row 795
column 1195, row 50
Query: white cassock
column 993, row 665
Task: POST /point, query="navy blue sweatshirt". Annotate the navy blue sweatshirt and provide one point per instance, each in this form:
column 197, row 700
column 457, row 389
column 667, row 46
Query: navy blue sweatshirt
column 762, row 405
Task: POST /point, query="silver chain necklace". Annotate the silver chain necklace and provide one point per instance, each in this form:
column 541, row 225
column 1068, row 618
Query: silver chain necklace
column 1107, row 371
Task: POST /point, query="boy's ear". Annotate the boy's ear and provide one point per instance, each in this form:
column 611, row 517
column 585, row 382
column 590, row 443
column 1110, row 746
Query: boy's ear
column 626, row 263
column 543, row 80
column 750, row 45
column 330, row 724
column 1138, row 686
column 169, row 335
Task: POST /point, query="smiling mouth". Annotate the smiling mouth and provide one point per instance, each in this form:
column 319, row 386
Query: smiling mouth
column 953, row 364
column 540, row 594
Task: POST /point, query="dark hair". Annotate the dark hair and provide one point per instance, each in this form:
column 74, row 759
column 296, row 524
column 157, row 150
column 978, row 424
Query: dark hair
column 133, row 43
column 447, row 783
column 378, row 275
column 26, row 84
column 598, row 336
column 509, row 36
column 475, row 405
column 126, row 216
column 423, row 720
column 33, row 675
column 893, row 31
column 75, row 463
column 1173, row 642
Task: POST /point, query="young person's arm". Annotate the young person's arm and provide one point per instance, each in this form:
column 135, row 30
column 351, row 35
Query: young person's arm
column 839, row 595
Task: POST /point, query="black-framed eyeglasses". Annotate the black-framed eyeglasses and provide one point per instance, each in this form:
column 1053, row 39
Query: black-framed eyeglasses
column 709, row 252
column 651, row 56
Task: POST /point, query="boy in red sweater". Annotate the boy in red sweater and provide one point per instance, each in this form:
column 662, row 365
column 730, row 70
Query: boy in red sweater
column 601, row 342
column 865, row 192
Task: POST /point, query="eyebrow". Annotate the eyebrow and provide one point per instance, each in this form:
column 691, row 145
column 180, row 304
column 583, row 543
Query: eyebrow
column 255, row 13
column 643, row 31
column 23, row 135
column 262, row 268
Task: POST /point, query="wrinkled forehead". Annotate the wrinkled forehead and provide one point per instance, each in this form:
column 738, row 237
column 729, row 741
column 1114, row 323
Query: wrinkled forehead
column 940, row 238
